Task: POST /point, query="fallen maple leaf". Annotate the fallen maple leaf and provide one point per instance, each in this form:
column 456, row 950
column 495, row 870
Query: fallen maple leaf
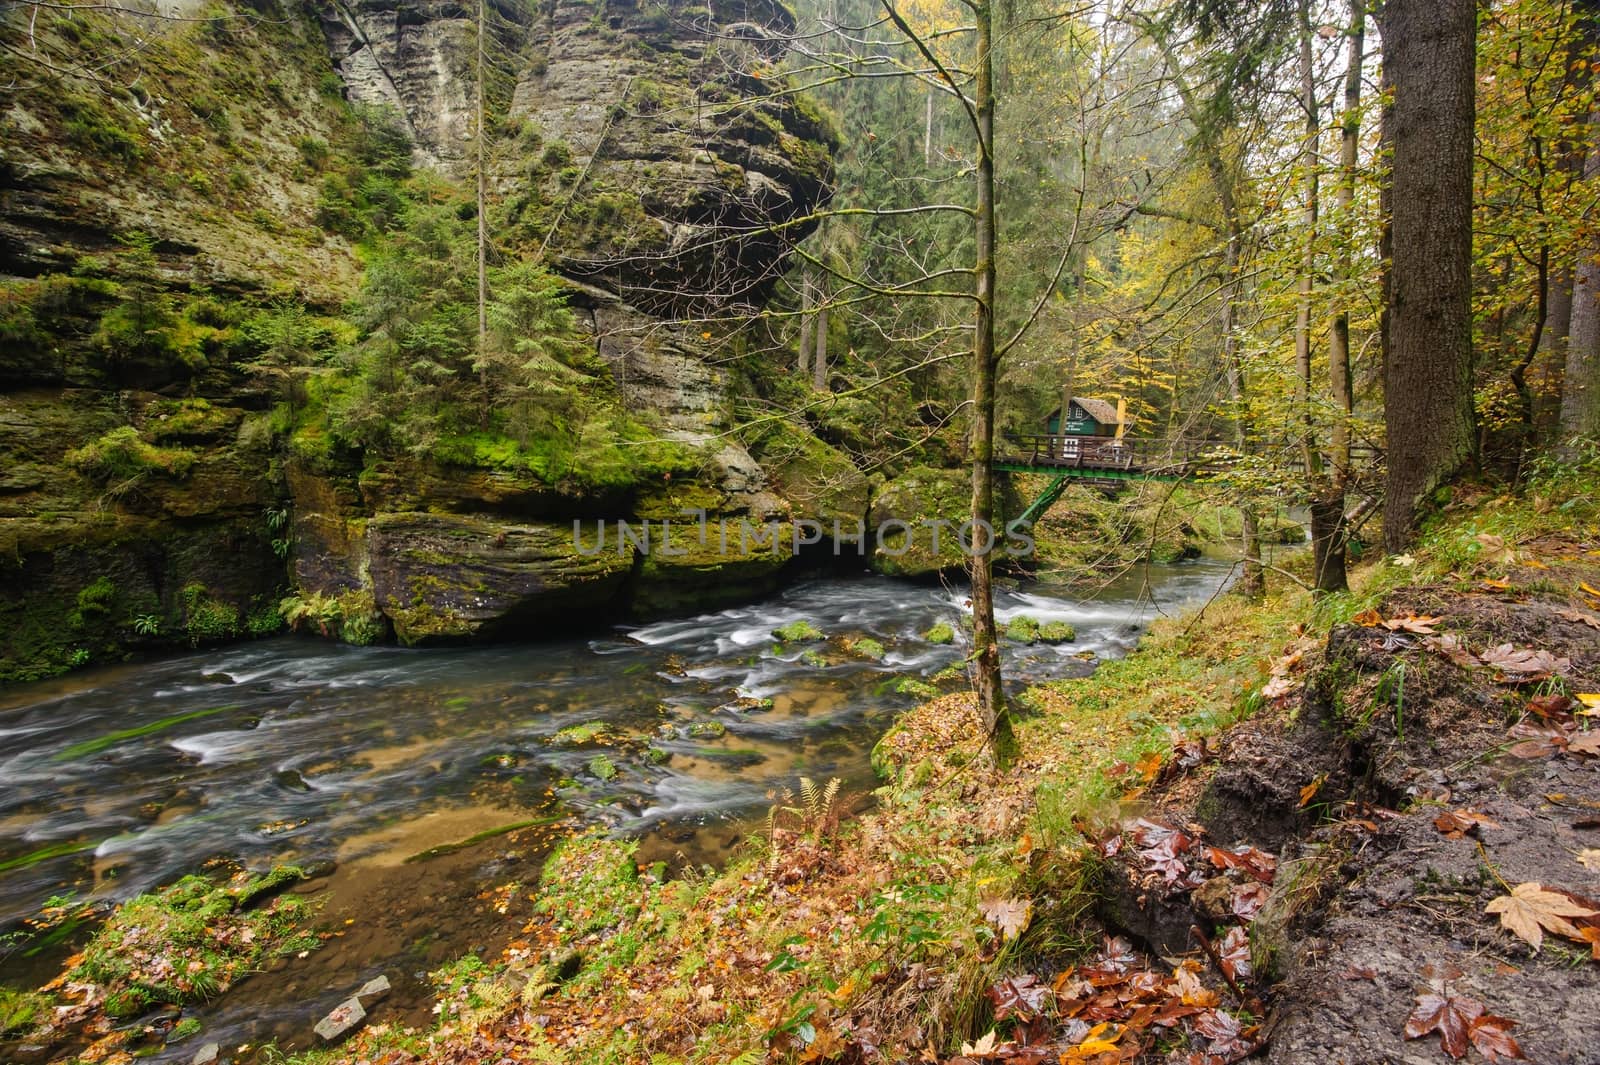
column 1521, row 665
column 1451, row 1017
column 1491, row 1035
column 1495, row 549
column 1588, row 743
column 1413, row 623
column 1452, row 648
column 983, row 1048
column 1309, row 792
column 1010, row 916
column 1457, row 824
column 1591, row 703
column 1580, row 617
column 1234, row 953
column 1368, row 618
column 1530, row 911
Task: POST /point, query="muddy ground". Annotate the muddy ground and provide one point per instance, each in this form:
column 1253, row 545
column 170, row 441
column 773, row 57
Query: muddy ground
column 1403, row 783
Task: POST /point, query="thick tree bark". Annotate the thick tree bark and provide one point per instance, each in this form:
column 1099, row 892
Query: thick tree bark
column 1328, row 529
column 1429, row 53
column 1580, row 389
column 985, row 635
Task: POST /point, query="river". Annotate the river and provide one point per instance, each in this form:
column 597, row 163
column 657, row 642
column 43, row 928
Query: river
column 116, row 780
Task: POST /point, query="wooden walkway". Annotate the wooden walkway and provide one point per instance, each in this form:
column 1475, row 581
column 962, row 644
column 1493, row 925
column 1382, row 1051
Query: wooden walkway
column 1109, row 459
column 1110, row 462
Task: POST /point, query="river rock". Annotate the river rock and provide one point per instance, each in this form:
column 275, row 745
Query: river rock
column 904, row 515
column 206, row 1055
column 373, row 989
column 445, row 577
column 344, row 1018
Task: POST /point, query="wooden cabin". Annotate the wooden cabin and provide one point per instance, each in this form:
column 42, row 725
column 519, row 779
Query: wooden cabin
column 1089, row 417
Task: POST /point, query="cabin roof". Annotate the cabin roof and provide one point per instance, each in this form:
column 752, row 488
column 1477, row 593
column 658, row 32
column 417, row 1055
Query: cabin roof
column 1100, row 410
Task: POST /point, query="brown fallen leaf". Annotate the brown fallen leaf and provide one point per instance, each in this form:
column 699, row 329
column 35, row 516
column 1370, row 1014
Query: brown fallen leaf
column 1492, row 1036
column 1452, row 648
column 1589, row 858
column 1579, row 617
column 1458, row 824
column 1587, row 743
column 1451, row 1017
column 1309, row 792
column 1010, row 916
column 1521, row 665
column 1531, row 910
column 1495, row 549
column 1422, row 626
column 1368, row 619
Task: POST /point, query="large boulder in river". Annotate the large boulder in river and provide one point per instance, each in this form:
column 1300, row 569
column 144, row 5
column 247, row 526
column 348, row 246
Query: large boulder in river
column 449, row 577
column 909, row 511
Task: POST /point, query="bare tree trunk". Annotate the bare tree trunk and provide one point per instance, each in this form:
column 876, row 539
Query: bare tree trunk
column 1309, row 453
column 985, row 635
column 819, row 364
column 1429, row 52
column 927, row 132
column 807, row 325
column 483, row 225
column 1580, row 389
column 1328, row 529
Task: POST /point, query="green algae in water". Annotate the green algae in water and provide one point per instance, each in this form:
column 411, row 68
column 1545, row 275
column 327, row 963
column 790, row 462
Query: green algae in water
column 44, row 854
column 479, row 837
column 111, row 739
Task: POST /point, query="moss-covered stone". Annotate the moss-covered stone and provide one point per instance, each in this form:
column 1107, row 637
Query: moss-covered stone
column 445, row 577
column 1022, row 629
column 801, row 631
column 917, row 518
column 868, row 648
column 1057, row 632
column 940, row 633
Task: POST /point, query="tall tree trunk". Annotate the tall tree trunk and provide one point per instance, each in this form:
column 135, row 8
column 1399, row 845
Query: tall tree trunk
column 1253, row 580
column 807, row 325
column 927, row 132
column 819, row 362
column 1553, row 339
column 483, row 198
column 1310, row 455
column 985, row 635
column 1328, row 530
column 1580, row 389
column 1429, row 52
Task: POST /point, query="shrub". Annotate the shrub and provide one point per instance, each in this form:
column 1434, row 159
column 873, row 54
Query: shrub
column 122, row 455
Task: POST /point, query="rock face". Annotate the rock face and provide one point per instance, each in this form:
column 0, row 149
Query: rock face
column 148, row 493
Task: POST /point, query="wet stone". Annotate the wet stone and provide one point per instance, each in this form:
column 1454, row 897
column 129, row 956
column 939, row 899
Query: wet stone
column 206, row 1055
column 343, row 1019
column 373, row 989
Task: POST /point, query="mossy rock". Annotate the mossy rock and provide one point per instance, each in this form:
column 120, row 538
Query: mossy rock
column 919, row 688
column 580, row 735
column 1022, row 629
column 1057, row 632
column 941, row 633
column 801, row 631
column 916, row 519
column 707, row 730
column 602, row 768
column 868, row 648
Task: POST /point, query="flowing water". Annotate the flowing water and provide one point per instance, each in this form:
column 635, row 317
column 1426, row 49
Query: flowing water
column 292, row 750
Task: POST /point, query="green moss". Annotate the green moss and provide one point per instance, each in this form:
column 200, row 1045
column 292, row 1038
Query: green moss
column 21, row 1011
column 110, row 739
column 868, row 648
column 1057, row 632
column 589, row 883
column 186, row 943
column 707, row 730
column 919, row 688
column 187, row 1028
column 801, row 631
column 207, row 619
column 581, row 735
column 122, row 455
column 602, row 767
column 940, row 634
column 1022, row 629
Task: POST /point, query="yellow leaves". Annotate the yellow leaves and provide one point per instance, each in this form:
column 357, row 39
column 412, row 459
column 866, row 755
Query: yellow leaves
column 1591, row 703
column 1530, row 911
column 1100, row 1039
column 1191, row 991
column 1422, row 626
column 1589, row 858
column 1309, row 792
column 983, row 1048
column 1368, row 619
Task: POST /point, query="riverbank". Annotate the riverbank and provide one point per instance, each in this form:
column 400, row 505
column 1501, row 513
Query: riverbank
column 962, row 919
column 1340, row 796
